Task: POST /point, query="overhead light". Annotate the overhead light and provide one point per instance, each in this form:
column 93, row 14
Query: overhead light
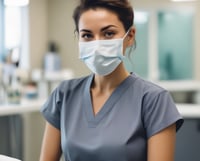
column 141, row 17
column 16, row 2
column 183, row 0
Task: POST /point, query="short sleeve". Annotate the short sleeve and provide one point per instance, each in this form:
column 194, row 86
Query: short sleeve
column 51, row 108
column 160, row 112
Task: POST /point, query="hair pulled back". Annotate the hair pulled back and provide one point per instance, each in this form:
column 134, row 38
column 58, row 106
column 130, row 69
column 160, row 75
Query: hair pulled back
column 122, row 8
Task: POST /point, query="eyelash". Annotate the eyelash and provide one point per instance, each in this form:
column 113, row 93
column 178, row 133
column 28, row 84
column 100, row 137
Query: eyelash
column 109, row 34
column 106, row 35
column 86, row 36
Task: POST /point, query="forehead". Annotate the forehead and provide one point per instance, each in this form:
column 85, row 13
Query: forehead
column 98, row 18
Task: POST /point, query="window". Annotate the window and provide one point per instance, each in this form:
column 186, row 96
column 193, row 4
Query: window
column 1, row 30
column 165, row 47
column 138, row 60
column 175, row 37
column 14, row 32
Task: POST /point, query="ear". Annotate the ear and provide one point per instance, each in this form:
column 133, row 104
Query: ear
column 131, row 36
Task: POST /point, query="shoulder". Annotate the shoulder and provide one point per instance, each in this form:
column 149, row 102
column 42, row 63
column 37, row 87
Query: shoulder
column 158, row 107
column 151, row 94
column 66, row 89
column 146, row 87
column 73, row 84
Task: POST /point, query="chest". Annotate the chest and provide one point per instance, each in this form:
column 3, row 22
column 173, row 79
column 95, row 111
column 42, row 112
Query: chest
column 98, row 100
column 115, row 132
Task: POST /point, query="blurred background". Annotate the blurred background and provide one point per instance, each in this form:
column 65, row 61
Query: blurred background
column 39, row 49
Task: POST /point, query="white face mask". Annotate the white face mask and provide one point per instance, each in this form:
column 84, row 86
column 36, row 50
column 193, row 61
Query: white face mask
column 102, row 56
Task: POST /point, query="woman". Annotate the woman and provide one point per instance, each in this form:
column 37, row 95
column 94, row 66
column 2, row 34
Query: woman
column 110, row 115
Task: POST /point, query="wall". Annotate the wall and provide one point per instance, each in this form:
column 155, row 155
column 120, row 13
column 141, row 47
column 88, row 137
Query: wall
column 197, row 40
column 38, row 31
column 61, row 30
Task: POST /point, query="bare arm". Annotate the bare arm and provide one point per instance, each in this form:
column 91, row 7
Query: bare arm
column 51, row 146
column 161, row 147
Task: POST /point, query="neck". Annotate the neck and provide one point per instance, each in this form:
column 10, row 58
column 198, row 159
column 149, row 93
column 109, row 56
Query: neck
column 111, row 81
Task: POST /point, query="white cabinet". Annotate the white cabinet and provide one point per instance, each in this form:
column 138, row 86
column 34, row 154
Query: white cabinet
column 188, row 141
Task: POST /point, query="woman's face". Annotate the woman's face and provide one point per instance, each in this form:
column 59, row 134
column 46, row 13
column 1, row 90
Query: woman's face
column 100, row 24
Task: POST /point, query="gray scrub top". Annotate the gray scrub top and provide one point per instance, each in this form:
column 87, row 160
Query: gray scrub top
column 135, row 111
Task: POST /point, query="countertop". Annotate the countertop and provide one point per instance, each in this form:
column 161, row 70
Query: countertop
column 186, row 110
column 189, row 110
column 24, row 107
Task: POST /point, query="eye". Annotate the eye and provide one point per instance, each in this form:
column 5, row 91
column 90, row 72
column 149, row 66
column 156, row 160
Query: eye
column 109, row 34
column 86, row 36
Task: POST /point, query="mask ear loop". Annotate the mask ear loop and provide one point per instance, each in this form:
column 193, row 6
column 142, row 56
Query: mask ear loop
column 123, row 38
column 132, row 48
column 126, row 33
column 131, row 52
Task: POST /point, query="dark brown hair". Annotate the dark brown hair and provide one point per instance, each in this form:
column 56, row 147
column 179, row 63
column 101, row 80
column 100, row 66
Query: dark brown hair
column 122, row 8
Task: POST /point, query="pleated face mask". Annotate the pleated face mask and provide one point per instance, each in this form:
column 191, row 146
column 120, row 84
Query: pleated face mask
column 102, row 56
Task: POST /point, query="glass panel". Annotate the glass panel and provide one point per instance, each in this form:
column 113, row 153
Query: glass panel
column 12, row 34
column 15, row 35
column 138, row 60
column 1, row 30
column 175, row 45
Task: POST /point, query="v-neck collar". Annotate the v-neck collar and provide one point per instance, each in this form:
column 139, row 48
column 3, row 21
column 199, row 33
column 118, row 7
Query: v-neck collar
column 93, row 120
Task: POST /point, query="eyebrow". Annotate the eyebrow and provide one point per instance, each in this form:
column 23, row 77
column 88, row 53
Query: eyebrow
column 103, row 29
column 107, row 27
